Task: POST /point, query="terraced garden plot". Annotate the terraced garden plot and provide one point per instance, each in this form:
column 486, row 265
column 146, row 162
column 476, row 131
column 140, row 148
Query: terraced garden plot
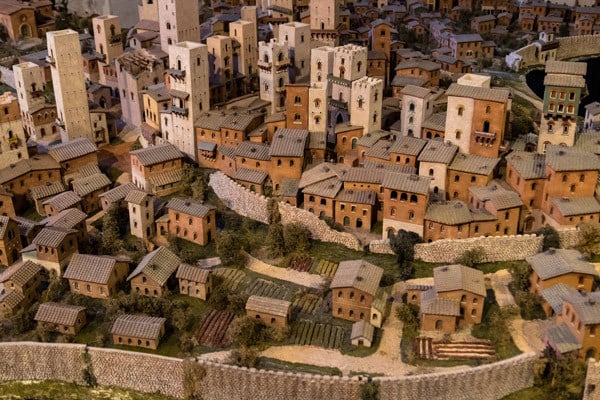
column 213, row 330
column 233, row 279
column 309, row 333
column 265, row 288
column 306, row 304
column 325, row 268
column 301, row 263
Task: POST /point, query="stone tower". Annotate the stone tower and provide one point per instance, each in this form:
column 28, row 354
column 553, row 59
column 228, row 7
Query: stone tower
column 220, row 63
column 274, row 64
column 243, row 34
column 324, row 16
column 297, row 36
column 13, row 144
column 148, row 10
column 190, row 94
column 564, row 84
column 64, row 57
column 107, row 37
column 178, row 22
column 321, row 65
column 366, row 103
column 141, row 214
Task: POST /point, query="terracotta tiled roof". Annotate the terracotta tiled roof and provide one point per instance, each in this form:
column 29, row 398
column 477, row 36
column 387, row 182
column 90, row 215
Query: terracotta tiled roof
column 289, row 143
column 138, row 326
column 192, row 273
column 158, row 265
column 250, row 175
column 60, row 314
column 438, row 152
column 118, row 193
column 408, row 145
column 21, row 273
column 63, row 201
column 68, row 218
column 11, row 298
column 268, row 305
column 84, row 186
column 449, row 278
column 157, row 154
column 189, row 207
column 451, row 213
column 357, row 196
column 40, row 162
column 557, row 262
column 52, row 237
column 570, row 206
column 406, row 183
column 90, row 268
column 502, row 197
column 362, row 329
column 479, row 93
column 474, row 164
column 566, row 67
column 136, row 196
column 47, row 190
column 359, row 274
column 255, row 151
column 528, row 165
column 72, row 149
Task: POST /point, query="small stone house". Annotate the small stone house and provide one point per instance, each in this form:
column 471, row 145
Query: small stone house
column 89, row 188
column 115, row 195
column 157, row 169
column 189, row 220
column 272, row 312
column 355, row 286
column 194, row 281
column 138, row 331
column 10, row 241
column 362, row 333
column 52, row 248
column 41, row 193
column 11, row 301
column 153, row 275
column 74, row 154
column 62, row 318
column 7, row 208
column 95, row 276
column 61, row 202
column 25, row 278
column 556, row 266
column 71, row 218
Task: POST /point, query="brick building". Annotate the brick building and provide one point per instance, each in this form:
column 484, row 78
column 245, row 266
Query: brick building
column 194, row 281
column 272, row 312
column 564, row 266
column 190, row 220
column 65, row 319
column 153, row 276
column 138, row 331
column 10, row 241
column 95, row 276
column 157, row 169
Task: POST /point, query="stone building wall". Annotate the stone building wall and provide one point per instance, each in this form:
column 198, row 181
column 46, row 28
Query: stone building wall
column 578, row 46
column 254, row 206
column 7, row 76
column 568, row 238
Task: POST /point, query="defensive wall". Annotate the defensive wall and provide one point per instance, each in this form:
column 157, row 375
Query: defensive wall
column 496, row 248
column 568, row 48
column 213, row 381
column 7, row 76
column 254, row 206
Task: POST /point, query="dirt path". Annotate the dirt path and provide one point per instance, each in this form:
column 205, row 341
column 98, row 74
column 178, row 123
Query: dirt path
column 284, row 274
column 499, row 281
column 528, row 335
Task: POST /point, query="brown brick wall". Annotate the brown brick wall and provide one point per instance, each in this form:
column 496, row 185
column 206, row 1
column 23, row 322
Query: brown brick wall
column 352, row 309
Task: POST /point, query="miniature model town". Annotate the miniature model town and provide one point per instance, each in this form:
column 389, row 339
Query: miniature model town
column 366, row 190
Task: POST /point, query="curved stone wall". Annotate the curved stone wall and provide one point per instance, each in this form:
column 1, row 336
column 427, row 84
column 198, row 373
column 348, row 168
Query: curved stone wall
column 212, row 381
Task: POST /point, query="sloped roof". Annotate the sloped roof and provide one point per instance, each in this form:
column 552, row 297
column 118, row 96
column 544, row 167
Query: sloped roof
column 138, row 326
column 479, row 93
column 52, row 236
column 20, row 273
column 561, row 158
column 268, row 305
column 566, row 67
column 60, row 314
column 68, row 218
column 570, row 206
column 90, row 268
column 158, row 265
column 436, row 122
column 192, row 273
column 562, row 339
column 157, row 154
column 118, row 193
column 11, row 298
column 90, row 184
column 451, row 213
column 406, row 182
column 166, row 177
column 250, row 175
column 474, row 164
column 528, row 165
column 363, row 175
column 496, row 192
column 433, row 305
column 72, row 149
column 357, row 196
column 39, row 162
column 586, row 306
column 438, row 152
column 47, row 190
column 557, row 262
column 322, row 172
column 255, row 151
column 327, row 188
column 136, row 196
column 449, row 278
column 289, row 143
column 408, row 145
column 362, row 329
column 359, row 274
column 415, row 91
column 556, row 294
column 189, row 207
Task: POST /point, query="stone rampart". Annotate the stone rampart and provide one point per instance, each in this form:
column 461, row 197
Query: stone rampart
column 213, row 381
column 568, row 48
column 42, row 361
column 138, row 371
column 254, row 206
column 7, row 76
column 569, row 238
column 380, row 247
column 496, row 248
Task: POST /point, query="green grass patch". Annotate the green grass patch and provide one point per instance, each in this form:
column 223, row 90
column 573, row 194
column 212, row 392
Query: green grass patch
column 336, row 253
column 377, row 228
column 113, row 173
column 32, row 214
column 424, row 269
column 532, row 393
column 50, row 390
column 278, row 365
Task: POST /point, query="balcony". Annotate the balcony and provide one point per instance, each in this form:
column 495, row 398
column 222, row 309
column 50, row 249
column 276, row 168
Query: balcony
column 180, row 111
column 263, row 64
column 485, row 138
column 176, row 73
column 100, row 56
column 115, row 39
column 280, row 89
column 13, row 141
column 282, row 64
column 339, row 81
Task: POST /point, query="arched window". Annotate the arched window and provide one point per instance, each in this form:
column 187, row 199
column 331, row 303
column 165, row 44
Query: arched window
column 403, row 197
column 460, row 110
column 360, row 102
column 280, row 57
column 486, row 126
column 297, row 100
column 359, row 66
column 411, row 106
column 488, row 109
column 431, row 172
column 458, row 134
column 413, row 198
column 394, row 195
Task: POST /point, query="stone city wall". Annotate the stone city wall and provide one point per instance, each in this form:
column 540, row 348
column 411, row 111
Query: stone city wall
column 380, row 247
column 254, row 206
column 213, row 381
column 496, row 248
column 569, row 238
column 7, row 76
column 578, row 46
column 138, row 371
column 41, row 361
